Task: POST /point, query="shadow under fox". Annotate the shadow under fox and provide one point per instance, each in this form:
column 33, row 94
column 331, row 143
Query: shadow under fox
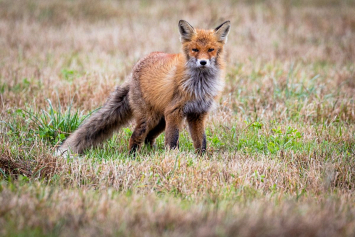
column 162, row 90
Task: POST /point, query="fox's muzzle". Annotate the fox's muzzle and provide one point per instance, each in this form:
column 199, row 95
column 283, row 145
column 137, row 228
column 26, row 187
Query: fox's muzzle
column 203, row 62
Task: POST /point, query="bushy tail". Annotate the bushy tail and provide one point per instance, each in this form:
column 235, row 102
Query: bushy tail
column 100, row 126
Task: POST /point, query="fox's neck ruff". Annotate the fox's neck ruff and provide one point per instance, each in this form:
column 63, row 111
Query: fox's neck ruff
column 202, row 83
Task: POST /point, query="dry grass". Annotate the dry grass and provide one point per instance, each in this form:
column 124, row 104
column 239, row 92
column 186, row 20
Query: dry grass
column 69, row 212
column 281, row 143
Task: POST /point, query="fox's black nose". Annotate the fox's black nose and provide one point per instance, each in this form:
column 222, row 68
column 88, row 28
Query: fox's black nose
column 203, row 62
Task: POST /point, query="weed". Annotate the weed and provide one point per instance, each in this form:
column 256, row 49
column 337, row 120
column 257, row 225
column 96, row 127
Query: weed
column 52, row 125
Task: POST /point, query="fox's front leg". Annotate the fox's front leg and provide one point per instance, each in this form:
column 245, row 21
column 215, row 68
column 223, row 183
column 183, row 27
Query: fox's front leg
column 173, row 126
column 196, row 124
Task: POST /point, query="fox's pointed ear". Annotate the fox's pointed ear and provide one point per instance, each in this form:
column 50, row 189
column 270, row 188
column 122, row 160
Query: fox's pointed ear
column 222, row 31
column 186, row 31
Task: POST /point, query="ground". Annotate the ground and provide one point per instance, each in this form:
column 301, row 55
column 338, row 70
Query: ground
column 281, row 142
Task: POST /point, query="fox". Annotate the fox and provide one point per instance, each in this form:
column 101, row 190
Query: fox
column 161, row 92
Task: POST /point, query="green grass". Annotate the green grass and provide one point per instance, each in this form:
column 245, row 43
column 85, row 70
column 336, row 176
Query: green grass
column 49, row 125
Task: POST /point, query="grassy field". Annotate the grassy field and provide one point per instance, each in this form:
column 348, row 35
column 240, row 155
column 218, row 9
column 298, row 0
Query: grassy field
column 281, row 143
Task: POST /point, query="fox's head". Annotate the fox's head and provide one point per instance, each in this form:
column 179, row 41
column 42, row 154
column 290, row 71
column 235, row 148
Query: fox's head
column 202, row 48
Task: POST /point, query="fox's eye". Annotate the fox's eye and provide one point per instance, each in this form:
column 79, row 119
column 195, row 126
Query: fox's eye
column 195, row 50
column 210, row 50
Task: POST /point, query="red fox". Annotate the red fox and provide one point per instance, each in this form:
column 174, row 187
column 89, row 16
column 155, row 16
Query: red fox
column 162, row 90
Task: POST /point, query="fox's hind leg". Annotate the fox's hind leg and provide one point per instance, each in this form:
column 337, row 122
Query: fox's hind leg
column 139, row 133
column 155, row 132
column 144, row 128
